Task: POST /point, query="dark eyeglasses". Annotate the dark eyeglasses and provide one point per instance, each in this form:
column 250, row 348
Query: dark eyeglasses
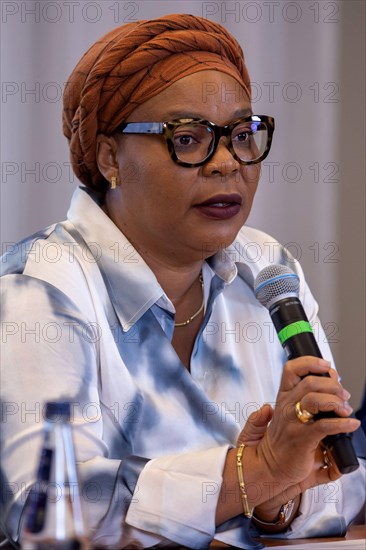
column 193, row 141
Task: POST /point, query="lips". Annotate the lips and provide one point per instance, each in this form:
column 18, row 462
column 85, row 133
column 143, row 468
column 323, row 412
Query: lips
column 221, row 206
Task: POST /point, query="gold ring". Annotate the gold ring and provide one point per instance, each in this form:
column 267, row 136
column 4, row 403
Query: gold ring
column 302, row 414
column 327, row 461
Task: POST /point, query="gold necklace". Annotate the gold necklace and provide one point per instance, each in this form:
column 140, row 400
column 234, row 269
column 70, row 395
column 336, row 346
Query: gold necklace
column 185, row 323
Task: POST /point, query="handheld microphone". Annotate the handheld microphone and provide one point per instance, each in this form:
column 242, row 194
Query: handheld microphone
column 277, row 288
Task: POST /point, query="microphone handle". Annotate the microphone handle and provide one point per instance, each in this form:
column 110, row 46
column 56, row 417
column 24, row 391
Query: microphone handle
column 297, row 338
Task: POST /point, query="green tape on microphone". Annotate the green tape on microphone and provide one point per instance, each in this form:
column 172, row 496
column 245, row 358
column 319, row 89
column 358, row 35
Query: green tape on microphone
column 294, row 329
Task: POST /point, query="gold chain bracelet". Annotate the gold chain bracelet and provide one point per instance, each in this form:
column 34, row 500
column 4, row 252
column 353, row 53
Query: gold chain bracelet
column 248, row 513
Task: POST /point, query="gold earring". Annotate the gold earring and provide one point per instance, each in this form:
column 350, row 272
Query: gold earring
column 114, row 182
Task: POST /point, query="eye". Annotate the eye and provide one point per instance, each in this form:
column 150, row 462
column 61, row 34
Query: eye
column 243, row 136
column 191, row 135
column 184, row 139
column 243, row 139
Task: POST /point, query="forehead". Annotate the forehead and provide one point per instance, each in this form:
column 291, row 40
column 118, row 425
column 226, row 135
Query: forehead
column 209, row 94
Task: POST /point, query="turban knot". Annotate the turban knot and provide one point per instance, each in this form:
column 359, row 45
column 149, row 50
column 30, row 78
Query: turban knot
column 131, row 64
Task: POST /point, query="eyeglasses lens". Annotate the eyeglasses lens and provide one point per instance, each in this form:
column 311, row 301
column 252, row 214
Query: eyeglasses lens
column 249, row 140
column 194, row 142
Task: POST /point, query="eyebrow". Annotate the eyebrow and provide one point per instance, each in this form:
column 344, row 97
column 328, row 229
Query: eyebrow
column 195, row 114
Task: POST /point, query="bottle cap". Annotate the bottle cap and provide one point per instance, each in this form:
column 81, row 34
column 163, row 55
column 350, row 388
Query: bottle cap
column 57, row 410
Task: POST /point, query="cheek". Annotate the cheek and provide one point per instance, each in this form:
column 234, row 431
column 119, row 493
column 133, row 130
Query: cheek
column 151, row 189
column 141, row 158
column 168, row 186
column 129, row 173
column 251, row 176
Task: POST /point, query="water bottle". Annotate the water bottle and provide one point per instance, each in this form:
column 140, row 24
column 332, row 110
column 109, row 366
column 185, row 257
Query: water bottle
column 53, row 518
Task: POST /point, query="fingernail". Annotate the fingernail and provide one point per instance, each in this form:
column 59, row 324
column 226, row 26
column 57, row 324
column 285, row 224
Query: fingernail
column 347, row 407
column 345, row 395
column 354, row 423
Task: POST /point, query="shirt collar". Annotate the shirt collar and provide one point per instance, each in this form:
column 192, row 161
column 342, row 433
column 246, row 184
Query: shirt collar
column 132, row 286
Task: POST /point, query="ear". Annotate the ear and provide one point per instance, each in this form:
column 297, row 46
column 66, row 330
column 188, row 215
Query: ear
column 107, row 156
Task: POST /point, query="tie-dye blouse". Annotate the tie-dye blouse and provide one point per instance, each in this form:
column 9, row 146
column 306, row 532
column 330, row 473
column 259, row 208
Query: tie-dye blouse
column 84, row 319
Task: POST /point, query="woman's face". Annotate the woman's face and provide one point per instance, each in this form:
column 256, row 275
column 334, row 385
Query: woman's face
column 174, row 213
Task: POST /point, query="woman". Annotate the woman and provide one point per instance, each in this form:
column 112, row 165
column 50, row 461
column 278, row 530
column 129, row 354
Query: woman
column 145, row 320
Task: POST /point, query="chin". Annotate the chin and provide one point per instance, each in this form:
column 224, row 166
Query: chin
column 227, row 233
column 211, row 236
column 216, row 243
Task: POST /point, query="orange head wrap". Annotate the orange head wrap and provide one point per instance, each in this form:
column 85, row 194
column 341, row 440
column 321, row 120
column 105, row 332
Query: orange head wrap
column 131, row 64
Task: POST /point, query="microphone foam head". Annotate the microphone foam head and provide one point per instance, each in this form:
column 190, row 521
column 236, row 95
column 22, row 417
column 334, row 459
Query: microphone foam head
column 275, row 282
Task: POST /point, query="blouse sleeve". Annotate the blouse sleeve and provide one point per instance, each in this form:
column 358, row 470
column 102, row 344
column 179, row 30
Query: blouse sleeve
column 51, row 352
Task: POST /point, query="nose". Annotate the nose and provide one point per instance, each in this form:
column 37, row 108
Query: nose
column 222, row 163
